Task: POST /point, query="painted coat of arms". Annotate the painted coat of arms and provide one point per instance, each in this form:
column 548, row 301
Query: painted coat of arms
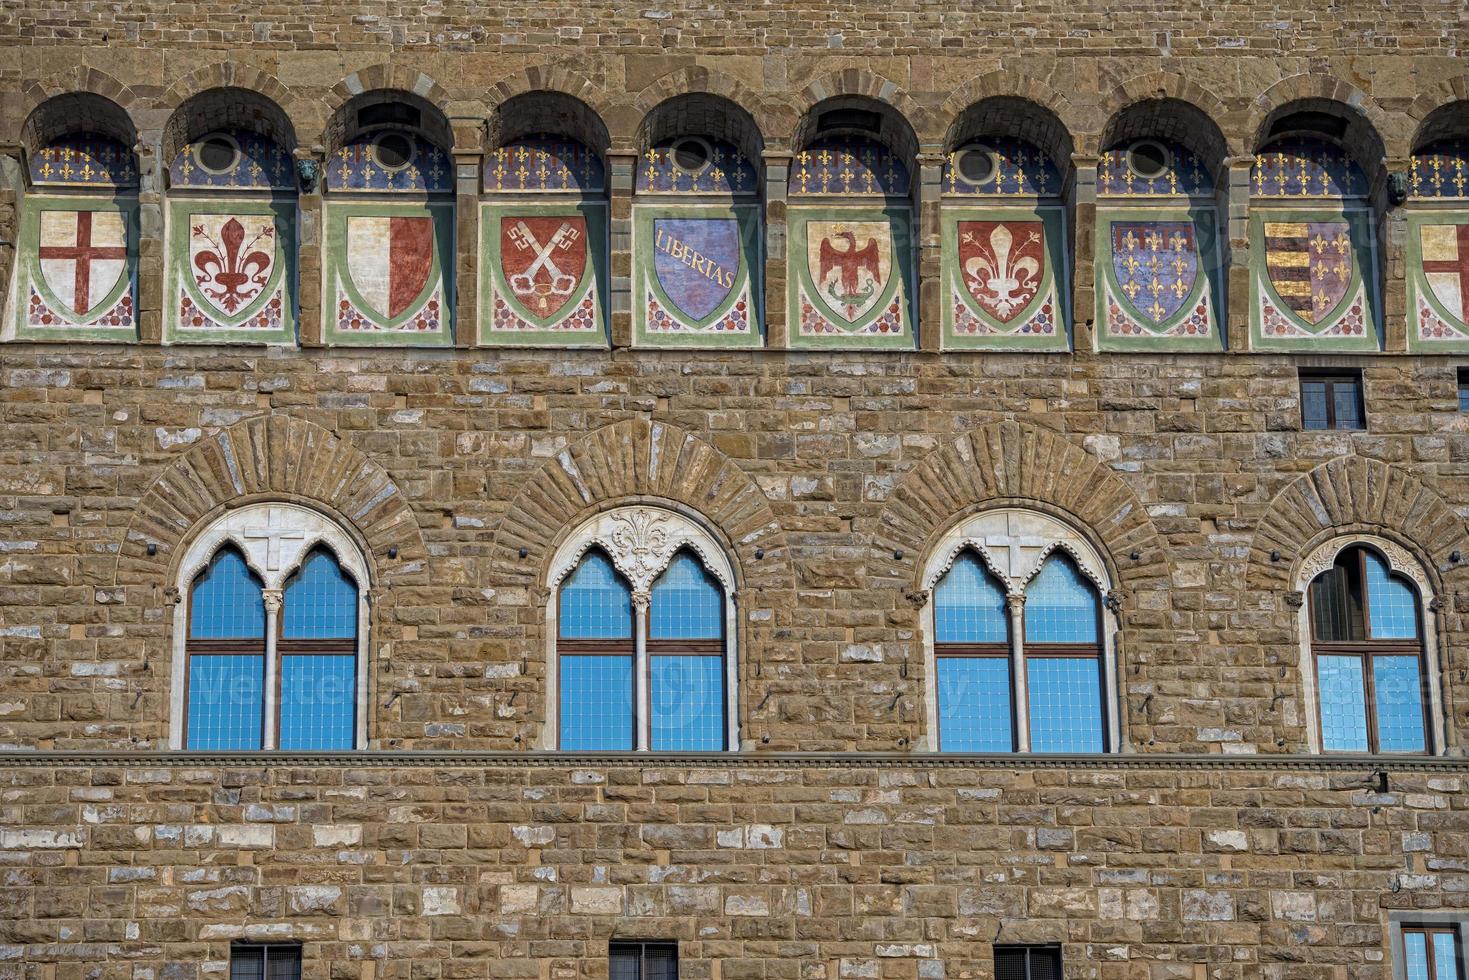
column 1156, row 264
column 1445, row 264
column 695, row 275
column 540, row 274
column 544, row 260
column 232, row 258
column 390, row 260
column 1310, row 265
column 850, row 264
column 1438, row 281
column 1002, row 264
column 83, row 256
column 696, row 261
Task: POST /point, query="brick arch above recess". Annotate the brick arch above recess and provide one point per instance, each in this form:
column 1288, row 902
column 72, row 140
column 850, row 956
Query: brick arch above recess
column 1014, row 463
column 626, row 121
column 551, row 78
column 272, row 457
column 1352, row 494
column 76, row 80
column 860, row 81
column 225, row 74
column 1317, row 86
column 633, row 460
column 1008, row 85
column 1162, row 86
column 383, row 77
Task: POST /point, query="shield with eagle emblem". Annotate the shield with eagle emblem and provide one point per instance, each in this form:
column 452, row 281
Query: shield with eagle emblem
column 850, row 264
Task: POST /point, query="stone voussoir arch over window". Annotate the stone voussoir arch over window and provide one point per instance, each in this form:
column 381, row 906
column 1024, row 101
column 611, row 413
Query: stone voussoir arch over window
column 1018, row 619
column 641, row 641
column 270, row 645
column 1369, row 648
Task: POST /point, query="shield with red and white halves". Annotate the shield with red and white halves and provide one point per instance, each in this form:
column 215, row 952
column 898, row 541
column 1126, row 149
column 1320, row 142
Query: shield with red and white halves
column 232, row 258
column 82, row 255
column 390, row 260
column 543, row 260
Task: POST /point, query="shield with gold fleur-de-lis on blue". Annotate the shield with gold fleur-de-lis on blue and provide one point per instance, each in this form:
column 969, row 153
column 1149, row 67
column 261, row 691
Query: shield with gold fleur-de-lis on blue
column 1157, row 267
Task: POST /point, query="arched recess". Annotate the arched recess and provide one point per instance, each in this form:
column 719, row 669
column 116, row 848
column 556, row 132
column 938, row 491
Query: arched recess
column 998, row 88
column 1204, row 114
column 555, row 79
column 74, row 112
column 1029, row 466
column 78, row 80
column 1353, row 494
column 224, row 75
column 224, row 108
column 633, row 460
column 1364, row 119
column 272, row 457
column 695, row 80
column 1436, row 113
column 868, row 85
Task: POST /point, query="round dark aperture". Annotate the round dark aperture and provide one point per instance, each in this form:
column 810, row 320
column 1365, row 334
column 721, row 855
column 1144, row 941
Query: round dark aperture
column 690, row 155
column 394, row 150
column 217, row 153
column 976, row 166
column 1148, row 159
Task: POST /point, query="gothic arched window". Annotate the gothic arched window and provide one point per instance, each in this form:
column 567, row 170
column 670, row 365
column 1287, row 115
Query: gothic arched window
column 1367, row 649
column 642, row 654
column 271, row 653
column 1020, row 650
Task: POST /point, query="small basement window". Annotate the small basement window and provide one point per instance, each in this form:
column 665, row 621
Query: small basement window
column 1027, row 963
column 1332, row 400
column 643, row 960
column 265, row 961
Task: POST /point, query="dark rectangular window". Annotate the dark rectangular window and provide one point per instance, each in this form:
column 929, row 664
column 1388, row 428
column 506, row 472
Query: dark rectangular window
column 1027, row 963
column 643, row 960
column 265, row 961
column 1432, row 952
column 1332, row 400
column 1464, row 389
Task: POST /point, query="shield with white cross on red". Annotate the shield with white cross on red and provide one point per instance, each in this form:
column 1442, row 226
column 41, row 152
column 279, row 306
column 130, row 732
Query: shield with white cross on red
column 82, row 254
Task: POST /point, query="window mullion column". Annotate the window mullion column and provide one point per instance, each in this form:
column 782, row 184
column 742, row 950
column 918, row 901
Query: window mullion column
column 642, row 706
column 272, row 599
column 1015, row 605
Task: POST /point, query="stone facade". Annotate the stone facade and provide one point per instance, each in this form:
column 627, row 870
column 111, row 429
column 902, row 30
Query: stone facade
column 1215, row 845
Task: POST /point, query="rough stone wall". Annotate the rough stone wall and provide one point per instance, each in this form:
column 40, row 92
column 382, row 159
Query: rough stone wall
column 826, row 465
column 762, row 871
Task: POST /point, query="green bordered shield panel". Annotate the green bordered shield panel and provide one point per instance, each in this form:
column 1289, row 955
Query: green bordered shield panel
column 1159, row 279
column 694, row 276
column 544, row 274
column 1313, row 280
column 1006, row 279
column 389, row 274
column 231, row 272
column 1438, row 281
column 851, row 278
column 77, row 274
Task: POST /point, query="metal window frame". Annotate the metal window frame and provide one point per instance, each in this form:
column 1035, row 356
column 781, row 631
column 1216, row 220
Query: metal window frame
column 258, row 647
column 1030, row 949
column 1367, row 651
column 264, row 949
column 1332, row 378
column 641, row 946
column 1462, row 376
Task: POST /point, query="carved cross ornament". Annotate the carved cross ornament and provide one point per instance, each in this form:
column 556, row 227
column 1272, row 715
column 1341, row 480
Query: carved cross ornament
column 641, row 541
column 1014, row 544
column 275, row 539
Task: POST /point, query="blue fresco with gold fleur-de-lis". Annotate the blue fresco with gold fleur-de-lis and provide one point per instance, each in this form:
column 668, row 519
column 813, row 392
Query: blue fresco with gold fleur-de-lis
column 1440, row 170
column 1019, row 169
column 356, row 166
column 724, row 170
column 260, row 164
column 1183, row 174
column 544, row 163
column 1302, row 167
column 848, row 166
column 84, row 160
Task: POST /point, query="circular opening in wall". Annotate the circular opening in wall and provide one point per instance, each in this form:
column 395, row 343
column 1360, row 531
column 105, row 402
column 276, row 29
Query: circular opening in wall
column 691, row 155
column 393, row 151
column 217, row 153
column 1148, row 159
column 977, row 166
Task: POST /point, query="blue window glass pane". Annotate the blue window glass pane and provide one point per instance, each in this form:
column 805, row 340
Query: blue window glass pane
column 1445, row 956
column 969, row 604
column 687, row 603
column 1343, row 704
column 596, row 703
column 595, row 603
column 318, row 701
column 974, row 705
column 320, row 601
column 1415, row 956
column 688, row 703
column 1398, row 687
column 225, row 602
column 1060, row 605
column 226, row 702
column 1065, row 704
column 1391, row 602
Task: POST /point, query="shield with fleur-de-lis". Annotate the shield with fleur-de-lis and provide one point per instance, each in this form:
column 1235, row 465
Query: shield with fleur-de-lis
column 232, row 259
column 1157, row 265
column 1310, row 265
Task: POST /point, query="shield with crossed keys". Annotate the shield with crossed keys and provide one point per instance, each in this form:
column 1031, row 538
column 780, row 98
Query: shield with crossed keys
column 543, row 259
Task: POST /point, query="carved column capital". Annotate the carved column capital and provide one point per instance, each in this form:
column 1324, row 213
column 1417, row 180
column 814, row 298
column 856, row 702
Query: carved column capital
column 1295, row 599
column 272, row 599
column 918, row 598
column 172, row 596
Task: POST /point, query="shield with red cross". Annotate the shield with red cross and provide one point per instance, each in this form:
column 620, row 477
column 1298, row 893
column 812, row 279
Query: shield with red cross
column 82, row 255
column 1446, row 265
